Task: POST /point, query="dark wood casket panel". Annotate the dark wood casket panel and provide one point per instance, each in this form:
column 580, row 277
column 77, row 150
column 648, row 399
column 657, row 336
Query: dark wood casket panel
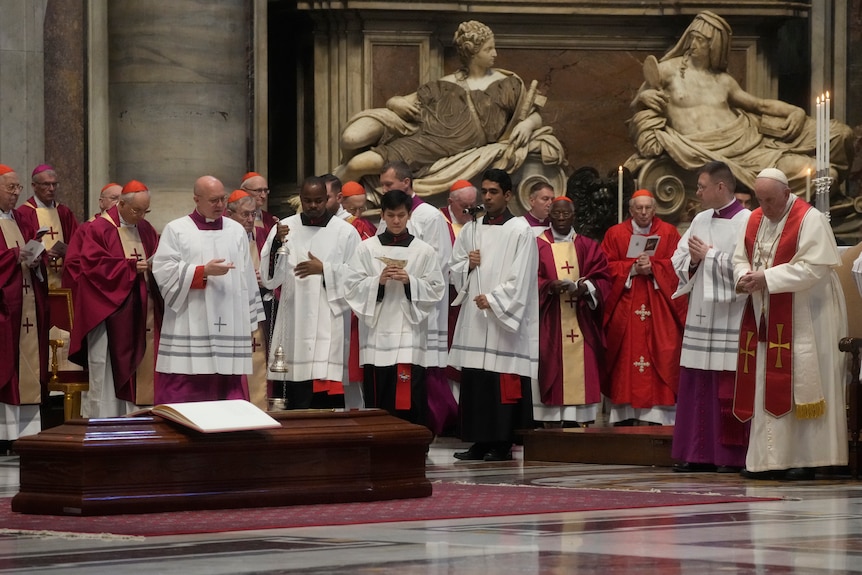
column 148, row 464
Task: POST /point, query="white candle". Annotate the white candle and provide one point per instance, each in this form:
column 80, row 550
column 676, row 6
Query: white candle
column 819, row 121
column 826, row 134
column 808, row 185
column 620, row 196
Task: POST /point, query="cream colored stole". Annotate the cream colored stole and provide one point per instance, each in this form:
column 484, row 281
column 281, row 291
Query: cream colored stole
column 566, row 260
column 29, row 389
column 50, row 218
column 257, row 379
column 145, row 372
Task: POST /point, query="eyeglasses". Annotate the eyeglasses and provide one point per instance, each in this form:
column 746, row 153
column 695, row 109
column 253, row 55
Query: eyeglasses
column 217, row 201
column 257, row 190
column 562, row 214
column 14, row 188
column 138, row 211
column 47, row 184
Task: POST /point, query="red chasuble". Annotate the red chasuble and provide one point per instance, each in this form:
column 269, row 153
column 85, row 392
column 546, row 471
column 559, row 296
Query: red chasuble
column 108, row 289
column 23, row 322
column 643, row 324
column 778, row 381
column 569, row 376
column 32, row 216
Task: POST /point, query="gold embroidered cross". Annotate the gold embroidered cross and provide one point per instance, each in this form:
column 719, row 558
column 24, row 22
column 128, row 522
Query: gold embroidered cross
column 779, row 346
column 747, row 351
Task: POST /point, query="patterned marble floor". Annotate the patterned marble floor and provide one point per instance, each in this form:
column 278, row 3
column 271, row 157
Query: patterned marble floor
column 815, row 528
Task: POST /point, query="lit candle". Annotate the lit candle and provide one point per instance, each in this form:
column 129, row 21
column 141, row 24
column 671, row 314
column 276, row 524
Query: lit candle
column 808, row 185
column 620, row 196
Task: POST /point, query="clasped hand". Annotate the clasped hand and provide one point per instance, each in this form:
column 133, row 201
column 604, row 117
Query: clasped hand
column 394, row 273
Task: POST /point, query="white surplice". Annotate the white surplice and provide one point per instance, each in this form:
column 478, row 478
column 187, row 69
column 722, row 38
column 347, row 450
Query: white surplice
column 504, row 338
column 312, row 324
column 711, row 337
column 393, row 330
column 206, row 330
column 819, row 321
column 428, row 224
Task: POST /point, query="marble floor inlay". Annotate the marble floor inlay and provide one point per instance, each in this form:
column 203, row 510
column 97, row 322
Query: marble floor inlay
column 814, row 527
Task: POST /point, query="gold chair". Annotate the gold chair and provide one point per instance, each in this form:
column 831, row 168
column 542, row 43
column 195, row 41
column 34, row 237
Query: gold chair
column 70, row 382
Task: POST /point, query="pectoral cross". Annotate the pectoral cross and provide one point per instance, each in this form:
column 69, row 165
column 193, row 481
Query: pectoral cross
column 641, row 364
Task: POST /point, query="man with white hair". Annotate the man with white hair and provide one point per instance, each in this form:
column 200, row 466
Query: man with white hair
column 117, row 306
column 241, row 209
column 24, row 322
column 789, row 379
column 256, row 186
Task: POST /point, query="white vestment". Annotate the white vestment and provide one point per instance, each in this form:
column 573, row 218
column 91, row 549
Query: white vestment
column 504, row 338
column 429, row 225
column 819, row 321
column 711, row 337
column 312, row 324
column 206, row 330
column 393, row 330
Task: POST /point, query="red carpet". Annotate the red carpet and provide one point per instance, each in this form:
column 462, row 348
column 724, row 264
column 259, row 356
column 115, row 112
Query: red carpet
column 449, row 501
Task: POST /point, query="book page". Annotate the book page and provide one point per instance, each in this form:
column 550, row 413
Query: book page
column 217, row 416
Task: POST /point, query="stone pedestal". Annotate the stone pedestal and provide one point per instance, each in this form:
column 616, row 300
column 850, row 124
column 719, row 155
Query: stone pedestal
column 147, row 464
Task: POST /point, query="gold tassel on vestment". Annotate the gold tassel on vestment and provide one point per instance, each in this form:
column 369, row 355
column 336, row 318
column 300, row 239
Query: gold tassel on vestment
column 811, row 410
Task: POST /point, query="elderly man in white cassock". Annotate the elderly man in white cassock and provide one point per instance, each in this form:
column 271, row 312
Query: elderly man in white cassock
column 312, row 324
column 212, row 304
column 789, row 380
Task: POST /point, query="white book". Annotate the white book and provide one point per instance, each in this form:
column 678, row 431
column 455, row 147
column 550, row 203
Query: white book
column 217, row 416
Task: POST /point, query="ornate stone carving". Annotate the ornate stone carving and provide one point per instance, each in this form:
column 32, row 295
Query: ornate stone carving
column 689, row 111
column 456, row 127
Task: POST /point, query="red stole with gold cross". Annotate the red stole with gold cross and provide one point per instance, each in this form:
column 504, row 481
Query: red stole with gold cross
column 778, row 390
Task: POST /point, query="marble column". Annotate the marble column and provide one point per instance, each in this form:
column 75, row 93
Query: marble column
column 22, row 114
column 179, row 96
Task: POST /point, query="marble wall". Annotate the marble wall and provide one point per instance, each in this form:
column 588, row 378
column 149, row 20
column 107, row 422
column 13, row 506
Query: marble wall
column 22, row 113
column 179, row 96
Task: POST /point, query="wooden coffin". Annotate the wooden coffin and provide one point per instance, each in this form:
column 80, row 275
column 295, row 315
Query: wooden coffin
column 148, row 464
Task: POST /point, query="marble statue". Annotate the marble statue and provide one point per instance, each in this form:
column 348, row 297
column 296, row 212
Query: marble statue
column 691, row 110
column 456, row 127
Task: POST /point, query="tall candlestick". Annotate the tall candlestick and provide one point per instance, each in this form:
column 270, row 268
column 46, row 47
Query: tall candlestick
column 808, row 185
column 620, row 196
